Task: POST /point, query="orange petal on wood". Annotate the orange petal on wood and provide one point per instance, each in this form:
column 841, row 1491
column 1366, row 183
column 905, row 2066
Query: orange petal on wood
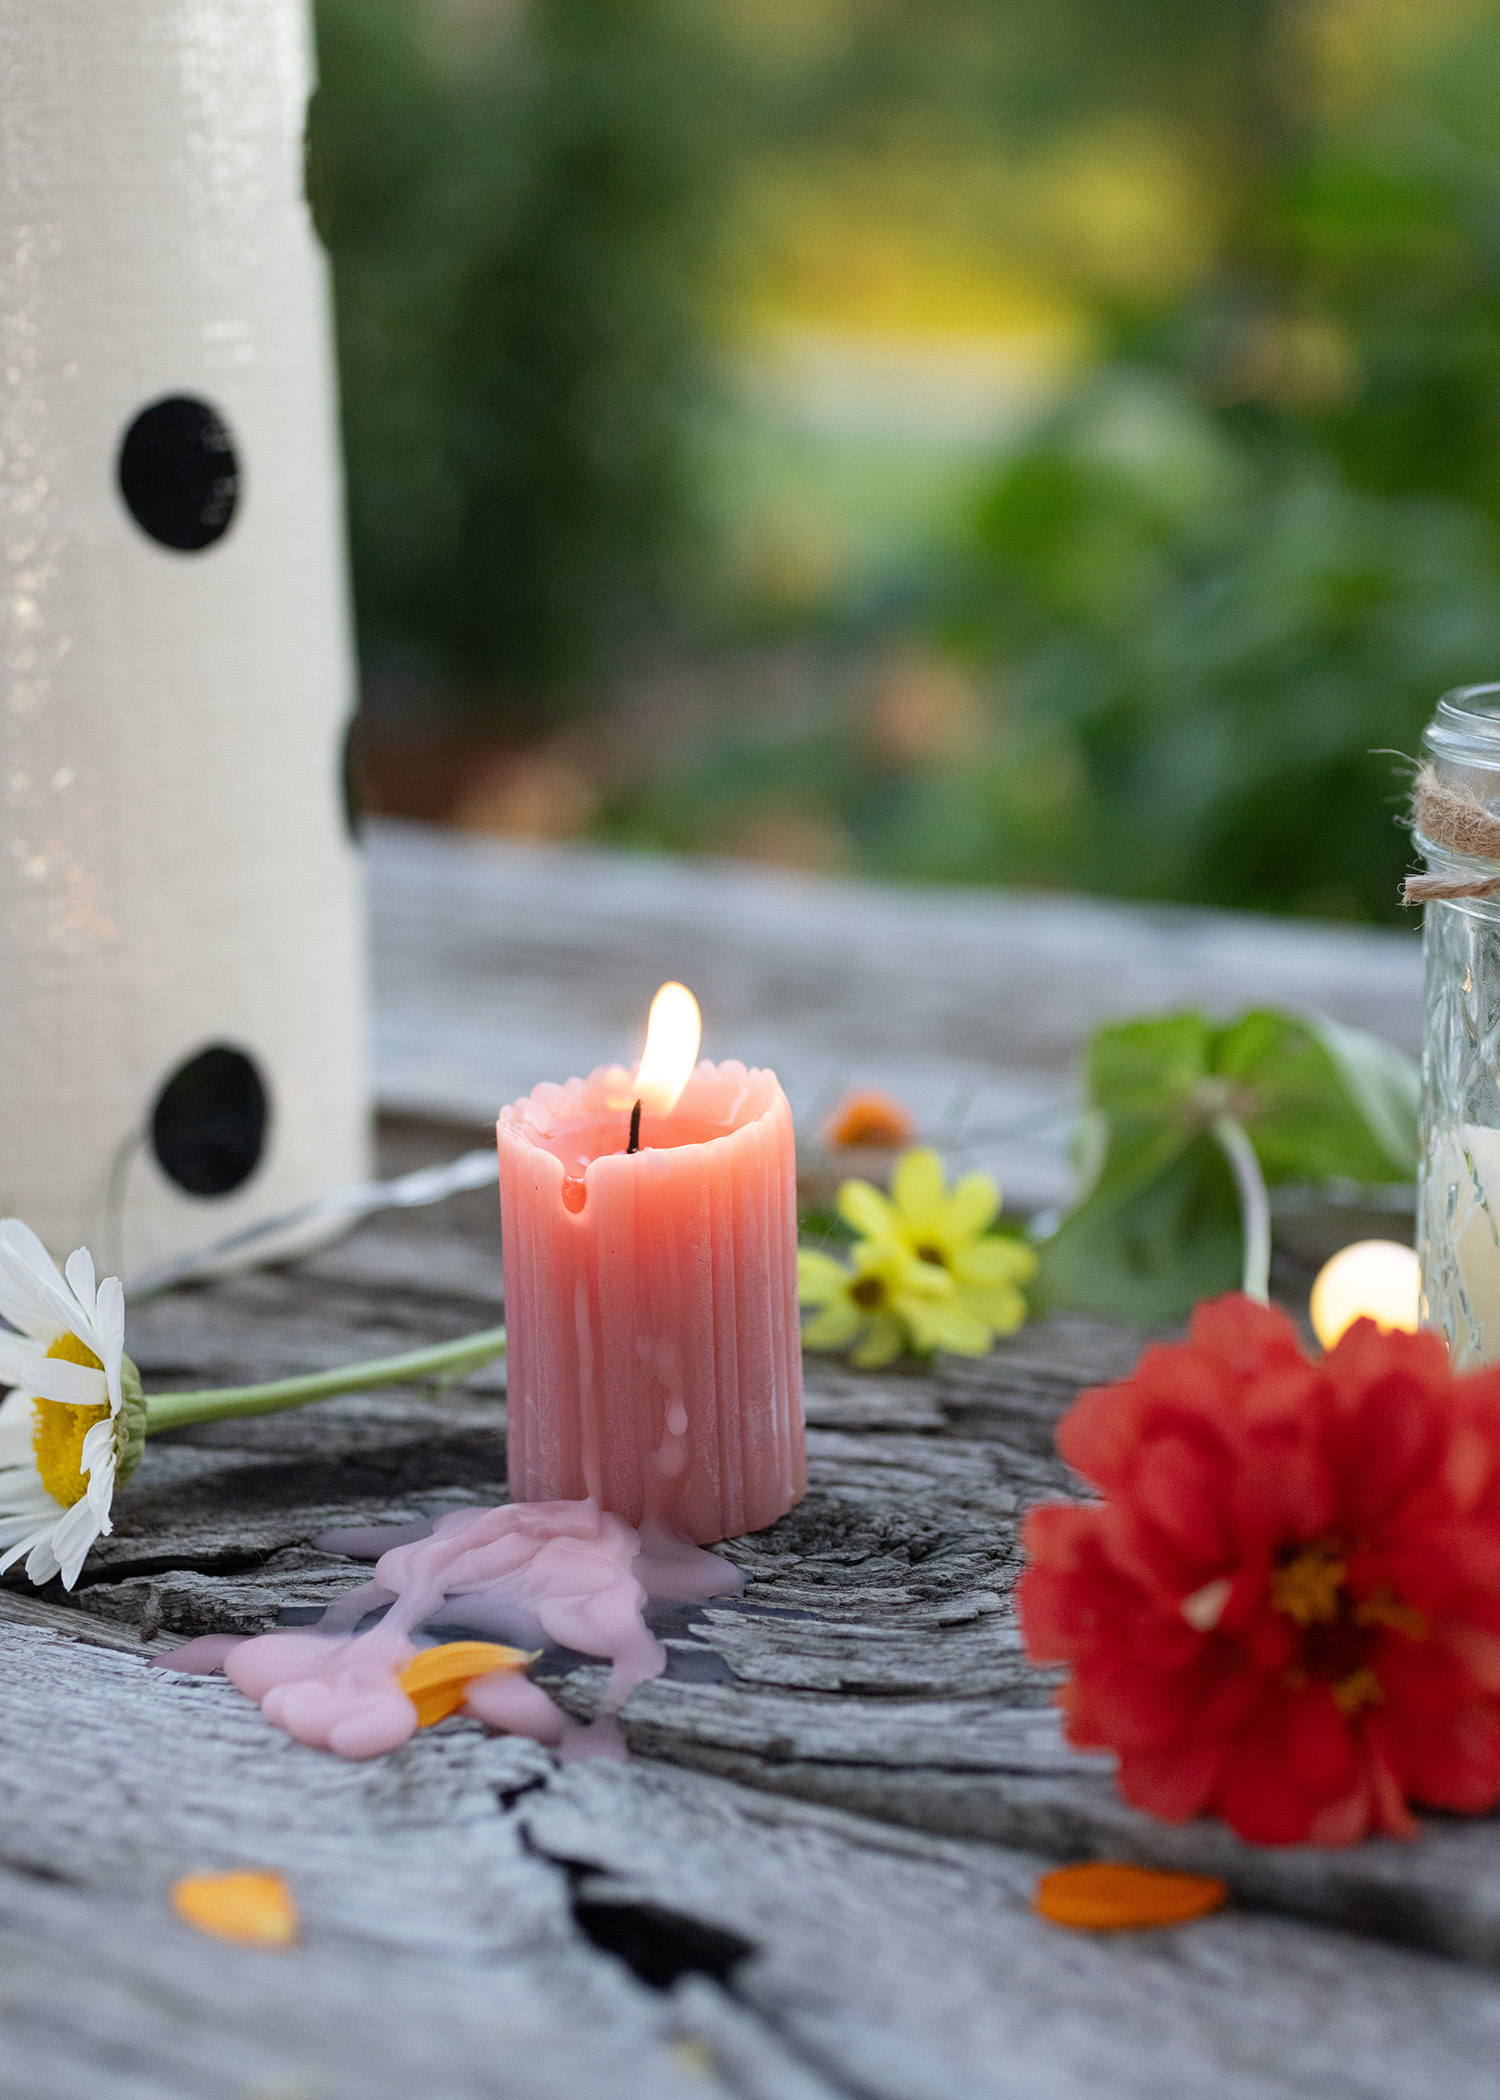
column 435, row 1681
column 870, row 1118
column 1101, row 1895
column 255, row 1909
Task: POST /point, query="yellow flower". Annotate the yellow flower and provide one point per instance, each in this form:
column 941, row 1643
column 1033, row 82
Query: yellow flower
column 884, row 1302
column 948, row 1232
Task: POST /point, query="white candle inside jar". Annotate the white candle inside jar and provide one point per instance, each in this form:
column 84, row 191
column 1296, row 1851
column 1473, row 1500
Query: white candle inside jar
column 1462, row 1199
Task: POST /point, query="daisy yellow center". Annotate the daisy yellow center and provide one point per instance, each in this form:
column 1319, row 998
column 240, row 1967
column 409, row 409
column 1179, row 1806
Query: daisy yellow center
column 1340, row 1635
column 928, row 1252
column 868, row 1292
column 58, row 1430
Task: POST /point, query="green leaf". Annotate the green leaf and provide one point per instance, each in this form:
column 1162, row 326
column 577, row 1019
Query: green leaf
column 1157, row 1225
column 1150, row 1258
column 1143, row 1068
column 1386, row 1084
column 1321, row 1102
column 1142, row 1077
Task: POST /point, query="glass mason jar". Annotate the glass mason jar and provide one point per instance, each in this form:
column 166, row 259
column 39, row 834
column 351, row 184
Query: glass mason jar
column 1457, row 830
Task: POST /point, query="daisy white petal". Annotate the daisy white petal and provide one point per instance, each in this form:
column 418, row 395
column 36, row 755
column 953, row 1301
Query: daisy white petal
column 80, row 1275
column 32, row 1275
column 17, row 1355
column 27, row 1533
column 24, row 1311
column 26, row 1525
column 60, row 1302
column 98, row 1461
column 42, row 1562
column 109, row 1330
column 20, row 1245
column 45, row 1302
column 75, row 1385
column 16, row 1425
column 72, row 1540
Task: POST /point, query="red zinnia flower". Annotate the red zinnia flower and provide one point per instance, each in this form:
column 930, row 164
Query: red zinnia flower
column 1286, row 1611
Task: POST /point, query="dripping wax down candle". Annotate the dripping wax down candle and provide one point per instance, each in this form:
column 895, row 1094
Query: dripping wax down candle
column 649, row 1227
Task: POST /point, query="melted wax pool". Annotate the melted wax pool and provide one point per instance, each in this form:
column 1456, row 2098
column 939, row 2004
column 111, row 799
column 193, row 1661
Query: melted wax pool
column 528, row 1574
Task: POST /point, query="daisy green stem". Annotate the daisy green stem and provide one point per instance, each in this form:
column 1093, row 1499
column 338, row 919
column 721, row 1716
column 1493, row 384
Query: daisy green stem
column 445, row 1360
column 1255, row 1205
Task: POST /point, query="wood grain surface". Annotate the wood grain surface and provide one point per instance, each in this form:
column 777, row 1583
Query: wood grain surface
column 497, row 965
column 813, row 1879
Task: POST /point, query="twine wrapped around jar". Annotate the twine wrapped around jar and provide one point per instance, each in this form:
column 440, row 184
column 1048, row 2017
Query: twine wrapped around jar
column 1460, row 824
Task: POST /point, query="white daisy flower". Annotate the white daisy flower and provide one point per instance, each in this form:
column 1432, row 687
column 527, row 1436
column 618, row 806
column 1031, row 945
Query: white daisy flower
column 74, row 1421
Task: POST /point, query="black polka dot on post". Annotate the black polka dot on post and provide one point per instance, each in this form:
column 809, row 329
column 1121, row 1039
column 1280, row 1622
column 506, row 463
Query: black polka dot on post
column 208, row 1128
column 178, row 473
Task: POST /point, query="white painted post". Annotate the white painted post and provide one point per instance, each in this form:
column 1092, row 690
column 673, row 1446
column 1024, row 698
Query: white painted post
column 177, row 886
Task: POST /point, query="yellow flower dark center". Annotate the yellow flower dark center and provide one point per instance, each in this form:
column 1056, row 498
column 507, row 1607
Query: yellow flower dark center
column 58, row 1430
column 1340, row 1636
column 868, row 1292
column 929, row 1253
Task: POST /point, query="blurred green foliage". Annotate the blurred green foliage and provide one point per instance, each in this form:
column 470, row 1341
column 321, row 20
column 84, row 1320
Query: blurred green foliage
column 520, row 208
column 1168, row 648
column 1233, row 639
column 1239, row 567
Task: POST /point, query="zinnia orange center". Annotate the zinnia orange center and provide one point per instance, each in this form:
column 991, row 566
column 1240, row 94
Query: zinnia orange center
column 1340, row 1632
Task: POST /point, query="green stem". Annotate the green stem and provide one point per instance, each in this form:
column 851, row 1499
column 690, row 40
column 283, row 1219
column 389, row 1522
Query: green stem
column 446, row 1360
column 1255, row 1205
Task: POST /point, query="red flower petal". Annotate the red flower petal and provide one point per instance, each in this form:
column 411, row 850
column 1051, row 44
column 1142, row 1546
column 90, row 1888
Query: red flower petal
column 1344, row 1519
column 1175, row 1784
column 1258, row 1796
column 1244, row 1337
column 1178, row 1488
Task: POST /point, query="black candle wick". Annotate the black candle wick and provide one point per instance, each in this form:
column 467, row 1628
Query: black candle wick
column 635, row 1129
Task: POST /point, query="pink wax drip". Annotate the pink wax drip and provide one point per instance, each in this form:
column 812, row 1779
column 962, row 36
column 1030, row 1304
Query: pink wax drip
column 527, row 1574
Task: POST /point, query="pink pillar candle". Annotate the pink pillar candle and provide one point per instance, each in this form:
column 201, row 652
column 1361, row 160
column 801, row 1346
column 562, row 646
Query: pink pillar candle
column 653, row 1340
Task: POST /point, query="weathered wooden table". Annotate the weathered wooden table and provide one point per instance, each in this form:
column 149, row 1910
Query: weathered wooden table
column 813, row 1879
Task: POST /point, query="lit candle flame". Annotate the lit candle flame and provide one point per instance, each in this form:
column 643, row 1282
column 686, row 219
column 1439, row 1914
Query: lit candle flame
column 673, row 1033
column 1372, row 1280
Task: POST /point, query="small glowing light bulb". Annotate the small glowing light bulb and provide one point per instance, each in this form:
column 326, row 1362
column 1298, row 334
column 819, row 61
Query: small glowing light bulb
column 1374, row 1279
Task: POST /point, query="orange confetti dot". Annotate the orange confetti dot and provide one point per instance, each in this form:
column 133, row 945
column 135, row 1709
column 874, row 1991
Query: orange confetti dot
column 869, row 1118
column 254, row 1909
column 1101, row 1895
column 436, row 1680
